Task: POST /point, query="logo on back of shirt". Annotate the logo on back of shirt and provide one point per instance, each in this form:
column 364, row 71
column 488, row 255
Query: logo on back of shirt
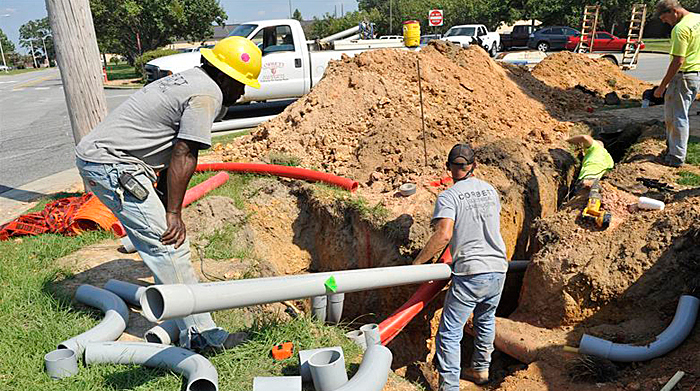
column 177, row 79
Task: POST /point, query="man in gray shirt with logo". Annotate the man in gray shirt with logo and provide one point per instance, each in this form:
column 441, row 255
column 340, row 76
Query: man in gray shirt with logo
column 163, row 126
column 467, row 217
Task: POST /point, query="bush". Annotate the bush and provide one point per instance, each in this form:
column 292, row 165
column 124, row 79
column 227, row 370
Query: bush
column 148, row 56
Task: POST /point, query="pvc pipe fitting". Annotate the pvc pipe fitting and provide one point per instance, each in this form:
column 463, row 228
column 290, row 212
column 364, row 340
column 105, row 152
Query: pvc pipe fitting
column 318, row 307
column 281, row 383
column 327, row 369
column 304, row 356
column 650, row 204
column 61, row 363
column 371, row 332
column 173, row 301
column 669, row 339
column 358, row 337
column 113, row 324
column 128, row 246
column 200, row 373
column 130, row 293
column 335, row 309
column 373, row 372
column 166, row 333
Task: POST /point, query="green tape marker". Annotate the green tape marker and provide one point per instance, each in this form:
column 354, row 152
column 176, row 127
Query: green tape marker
column 331, row 284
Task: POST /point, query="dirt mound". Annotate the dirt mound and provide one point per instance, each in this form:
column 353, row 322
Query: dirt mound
column 363, row 119
column 567, row 71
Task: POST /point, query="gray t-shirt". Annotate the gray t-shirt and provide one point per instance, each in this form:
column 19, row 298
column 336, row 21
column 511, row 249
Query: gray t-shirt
column 143, row 129
column 476, row 245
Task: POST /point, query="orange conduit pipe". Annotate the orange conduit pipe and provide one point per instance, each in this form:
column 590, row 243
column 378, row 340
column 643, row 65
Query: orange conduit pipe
column 92, row 213
column 393, row 325
column 191, row 196
column 283, row 171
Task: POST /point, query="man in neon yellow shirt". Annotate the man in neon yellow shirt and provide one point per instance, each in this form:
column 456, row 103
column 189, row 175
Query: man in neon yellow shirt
column 596, row 160
column 682, row 80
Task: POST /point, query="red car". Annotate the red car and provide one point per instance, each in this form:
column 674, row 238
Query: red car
column 603, row 41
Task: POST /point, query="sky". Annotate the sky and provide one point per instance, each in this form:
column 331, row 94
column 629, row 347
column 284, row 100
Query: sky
column 15, row 13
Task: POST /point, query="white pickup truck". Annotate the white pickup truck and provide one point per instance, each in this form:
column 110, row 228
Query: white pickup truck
column 291, row 65
column 467, row 34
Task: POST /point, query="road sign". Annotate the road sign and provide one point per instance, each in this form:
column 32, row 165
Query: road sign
column 435, row 18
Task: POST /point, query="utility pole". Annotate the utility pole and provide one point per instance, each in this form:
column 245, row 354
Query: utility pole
column 391, row 28
column 342, row 12
column 48, row 60
column 3, row 56
column 31, row 46
column 78, row 59
column 290, row 9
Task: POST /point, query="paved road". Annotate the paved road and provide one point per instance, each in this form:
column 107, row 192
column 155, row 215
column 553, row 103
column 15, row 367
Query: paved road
column 36, row 139
column 651, row 68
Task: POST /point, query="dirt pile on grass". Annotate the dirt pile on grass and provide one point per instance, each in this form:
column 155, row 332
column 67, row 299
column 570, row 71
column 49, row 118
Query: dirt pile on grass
column 363, row 119
column 567, row 71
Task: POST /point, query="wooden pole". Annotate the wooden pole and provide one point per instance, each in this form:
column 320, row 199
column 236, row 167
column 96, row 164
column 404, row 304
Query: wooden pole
column 78, row 59
column 422, row 116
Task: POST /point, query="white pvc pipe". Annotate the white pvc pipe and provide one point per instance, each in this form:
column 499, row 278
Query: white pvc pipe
column 113, row 324
column 669, row 339
column 335, row 307
column 318, row 307
column 241, row 123
column 130, row 293
column 200, row 373
column 344, row 33
column 162, row 302
column 371, row 333
column 373, row 372
column 327, row 369
column 166, row 333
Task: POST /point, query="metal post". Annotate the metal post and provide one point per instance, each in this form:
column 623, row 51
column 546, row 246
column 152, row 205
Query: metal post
column 46, row 52
column 391, row 22
column 290, row 9
column 3, row 56
column 33, row 58
column 422, row 116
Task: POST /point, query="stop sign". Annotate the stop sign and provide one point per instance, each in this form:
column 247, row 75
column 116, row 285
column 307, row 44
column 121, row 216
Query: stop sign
column 435, row 18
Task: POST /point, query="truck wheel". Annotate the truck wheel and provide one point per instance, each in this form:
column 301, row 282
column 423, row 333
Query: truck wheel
column 543, row 46
column 501, row 47
column 494, row 50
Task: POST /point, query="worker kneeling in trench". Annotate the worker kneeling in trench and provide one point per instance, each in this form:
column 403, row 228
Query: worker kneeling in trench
column 467, row 216
column 159, row 128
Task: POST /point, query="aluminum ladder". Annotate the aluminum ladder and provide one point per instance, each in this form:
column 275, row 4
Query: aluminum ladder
column 588, row 29
column 630, row 54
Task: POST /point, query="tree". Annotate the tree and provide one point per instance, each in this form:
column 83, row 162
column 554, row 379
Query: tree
column 297, row 15
column 131, row 27
column 31, row 34
column 329, row 24
column 7, row 45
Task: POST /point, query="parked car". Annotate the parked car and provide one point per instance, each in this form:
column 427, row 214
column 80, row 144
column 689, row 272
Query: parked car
column 424, row 39
column 467, row 34
column 517, row 37
column 4, row 68
column 551, row 38
column 603, row 42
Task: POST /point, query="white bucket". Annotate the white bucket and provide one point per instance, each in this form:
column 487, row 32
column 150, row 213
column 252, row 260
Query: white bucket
column 128, row 246
column 650, row 203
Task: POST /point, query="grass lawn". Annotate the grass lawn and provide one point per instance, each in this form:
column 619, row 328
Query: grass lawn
column 121, row 71
column 37, row 316
column 657, row 45
column 19, row 71
column 693, row 152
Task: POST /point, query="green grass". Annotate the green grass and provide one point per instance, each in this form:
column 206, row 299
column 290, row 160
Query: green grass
column 223, row 246
column 234, row 188
column 687, row 178
column 657, row 45
column 121, row 71
column 376, row 214
column 693, row 151
column 284, row 159
column 19, row 71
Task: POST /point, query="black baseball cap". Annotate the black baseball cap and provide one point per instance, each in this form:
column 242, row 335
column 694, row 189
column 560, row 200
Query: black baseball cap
column 461, row 154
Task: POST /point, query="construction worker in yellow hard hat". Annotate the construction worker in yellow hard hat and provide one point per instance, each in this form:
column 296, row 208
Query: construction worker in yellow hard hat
column 156, row 135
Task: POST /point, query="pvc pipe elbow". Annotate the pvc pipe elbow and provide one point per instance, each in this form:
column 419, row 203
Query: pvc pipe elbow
column 373, row 373
column 113, row 324
column 155, row 308
column 200, row 373
column 130, row 293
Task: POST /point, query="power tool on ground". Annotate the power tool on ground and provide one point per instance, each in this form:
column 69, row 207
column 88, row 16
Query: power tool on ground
column 594, row 210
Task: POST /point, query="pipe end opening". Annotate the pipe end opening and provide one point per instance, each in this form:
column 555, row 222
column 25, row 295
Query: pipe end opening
column 202, row 385
column 324, row 358
column 152, row 338
column 153, row 306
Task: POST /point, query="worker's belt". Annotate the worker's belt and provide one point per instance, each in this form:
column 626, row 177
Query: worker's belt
column 690, row 72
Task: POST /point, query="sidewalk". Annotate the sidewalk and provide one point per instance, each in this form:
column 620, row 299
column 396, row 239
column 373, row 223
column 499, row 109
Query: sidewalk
column 16, row 202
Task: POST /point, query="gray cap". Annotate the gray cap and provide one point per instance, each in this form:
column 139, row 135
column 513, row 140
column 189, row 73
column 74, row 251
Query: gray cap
column 461, row 154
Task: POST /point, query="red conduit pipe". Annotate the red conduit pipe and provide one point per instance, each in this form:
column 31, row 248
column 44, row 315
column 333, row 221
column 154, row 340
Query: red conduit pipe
column 392, row 326
column 283, row 171
column 191, row 196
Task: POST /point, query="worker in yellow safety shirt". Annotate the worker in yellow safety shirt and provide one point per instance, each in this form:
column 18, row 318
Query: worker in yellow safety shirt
column 681, row 83
column 596, row 160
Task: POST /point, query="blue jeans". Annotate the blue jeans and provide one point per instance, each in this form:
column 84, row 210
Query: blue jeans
column 478, row 293
column 680, row 94
column 144, row 222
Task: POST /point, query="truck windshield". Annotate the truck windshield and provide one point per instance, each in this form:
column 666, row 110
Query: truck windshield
column 243, row 30
column 466, row 31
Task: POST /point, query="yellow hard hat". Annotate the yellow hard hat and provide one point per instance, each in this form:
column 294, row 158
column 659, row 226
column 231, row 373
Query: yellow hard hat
column 237, row 57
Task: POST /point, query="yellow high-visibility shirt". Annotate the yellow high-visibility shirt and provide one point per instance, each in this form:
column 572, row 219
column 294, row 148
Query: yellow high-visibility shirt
column 685, row 42
column 596, row 162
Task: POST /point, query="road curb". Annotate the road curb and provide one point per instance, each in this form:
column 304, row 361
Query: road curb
column 107, row 87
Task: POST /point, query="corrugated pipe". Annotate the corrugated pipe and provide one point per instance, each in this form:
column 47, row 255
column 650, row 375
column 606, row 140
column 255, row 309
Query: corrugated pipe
column 283, row 171
column 200, row 373
column 113, row 324
column 172, row 301
column 241, row 123
column 679, row 329
column 191, row 196
column 373, row 372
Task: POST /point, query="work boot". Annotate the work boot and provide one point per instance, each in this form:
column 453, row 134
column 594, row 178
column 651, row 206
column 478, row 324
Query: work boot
column 477, row 377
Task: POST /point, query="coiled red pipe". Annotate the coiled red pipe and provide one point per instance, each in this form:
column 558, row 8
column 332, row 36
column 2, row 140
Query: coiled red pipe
column 392, row 326
column 191, row 196
column 283, row 171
